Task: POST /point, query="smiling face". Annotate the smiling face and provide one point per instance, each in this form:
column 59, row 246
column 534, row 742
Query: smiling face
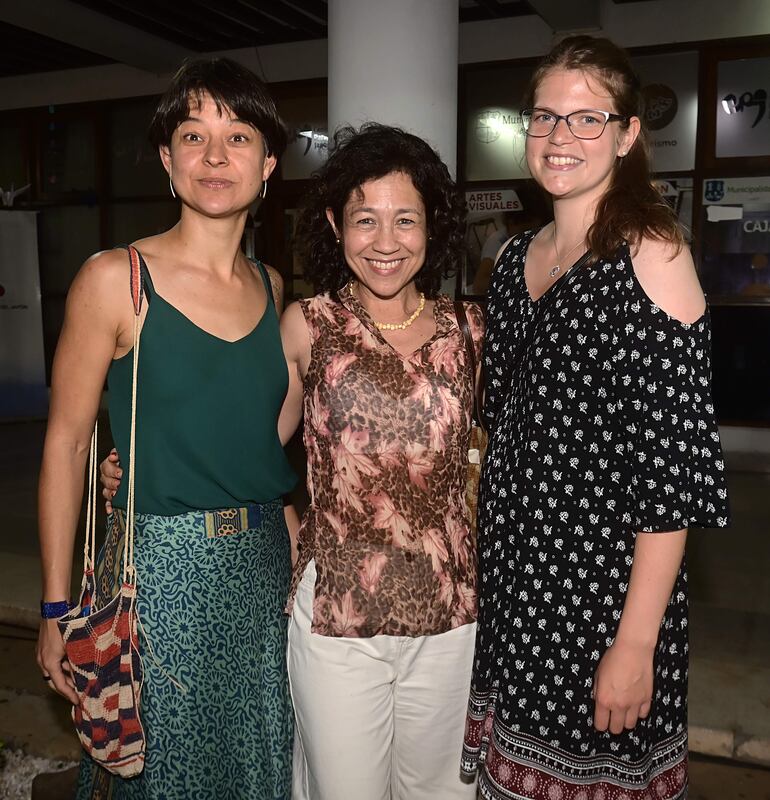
column 384, row 234
column 217, row 163
column 564, row 165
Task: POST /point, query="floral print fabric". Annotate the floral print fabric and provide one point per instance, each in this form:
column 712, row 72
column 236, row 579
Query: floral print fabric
column 601, row 425
column 386, row 437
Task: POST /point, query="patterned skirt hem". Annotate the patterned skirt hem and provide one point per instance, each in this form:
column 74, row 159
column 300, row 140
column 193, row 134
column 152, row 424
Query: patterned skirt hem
column 501, row 777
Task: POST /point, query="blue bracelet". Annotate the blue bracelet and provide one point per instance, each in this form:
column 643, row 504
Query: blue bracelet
column 54, row 610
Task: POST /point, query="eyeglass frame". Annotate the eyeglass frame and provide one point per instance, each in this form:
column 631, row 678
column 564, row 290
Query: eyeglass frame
column 608, row 117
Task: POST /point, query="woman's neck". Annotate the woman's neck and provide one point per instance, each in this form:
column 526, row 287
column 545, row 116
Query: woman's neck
column 393, row 309
column 571, row 220
column 213, row 244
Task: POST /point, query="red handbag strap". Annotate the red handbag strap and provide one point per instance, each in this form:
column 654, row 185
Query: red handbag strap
column 137, row 289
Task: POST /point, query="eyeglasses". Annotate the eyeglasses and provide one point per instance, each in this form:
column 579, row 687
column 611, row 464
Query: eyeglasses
column 539, row 122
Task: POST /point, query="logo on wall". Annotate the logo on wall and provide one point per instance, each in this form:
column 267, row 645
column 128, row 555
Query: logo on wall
column 734, row 105
column 315, row 138
column 714, row 191
column 488, row 127
column 660, row 105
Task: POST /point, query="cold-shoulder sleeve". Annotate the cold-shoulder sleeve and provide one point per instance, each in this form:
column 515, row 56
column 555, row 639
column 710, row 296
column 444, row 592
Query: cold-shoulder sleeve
column 675, row 456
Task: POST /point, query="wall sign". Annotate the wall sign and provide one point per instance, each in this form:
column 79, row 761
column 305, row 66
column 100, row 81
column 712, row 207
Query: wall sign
column 735, row 264
column 678, row 193
column 670, row 90
column 743, row 109
column 23, row 392
column 493, row 217
column 494, row 138
column 308, row 145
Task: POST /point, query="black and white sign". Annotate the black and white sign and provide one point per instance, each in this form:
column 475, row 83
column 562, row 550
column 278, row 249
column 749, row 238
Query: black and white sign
column 670, row 89
column 743, row 110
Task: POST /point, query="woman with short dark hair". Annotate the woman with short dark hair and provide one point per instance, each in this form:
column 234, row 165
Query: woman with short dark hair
column 383, row 598
column 211, row 546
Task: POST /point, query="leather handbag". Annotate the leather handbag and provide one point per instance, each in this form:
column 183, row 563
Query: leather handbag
column 477, row 446
column 102, row 644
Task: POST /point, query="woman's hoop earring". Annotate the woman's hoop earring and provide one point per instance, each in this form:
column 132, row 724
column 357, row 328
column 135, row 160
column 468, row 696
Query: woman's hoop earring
column 263, row 190
column 171, row 186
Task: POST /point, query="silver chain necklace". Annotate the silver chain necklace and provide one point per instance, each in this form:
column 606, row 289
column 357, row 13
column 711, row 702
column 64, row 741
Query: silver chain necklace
column 556, row 269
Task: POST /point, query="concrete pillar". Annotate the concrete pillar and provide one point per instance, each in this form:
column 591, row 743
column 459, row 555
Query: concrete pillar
column 395, row 61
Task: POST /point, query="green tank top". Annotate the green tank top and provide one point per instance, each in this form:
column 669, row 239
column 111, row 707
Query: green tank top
column 207, row 412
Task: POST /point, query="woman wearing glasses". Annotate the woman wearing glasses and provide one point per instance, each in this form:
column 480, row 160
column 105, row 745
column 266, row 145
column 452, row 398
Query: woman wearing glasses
column 603, row 451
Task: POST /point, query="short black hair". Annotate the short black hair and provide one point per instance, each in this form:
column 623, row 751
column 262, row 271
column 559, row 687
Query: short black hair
column 367, row 154
column 232, row 87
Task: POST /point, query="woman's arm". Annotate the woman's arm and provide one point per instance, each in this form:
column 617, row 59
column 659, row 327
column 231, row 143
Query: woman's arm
column 88, row 341
column 296, row 348
column 623, row 682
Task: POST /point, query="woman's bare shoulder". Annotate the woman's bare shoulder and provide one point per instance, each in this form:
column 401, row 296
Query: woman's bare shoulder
column 102, row 272
column 668, row 277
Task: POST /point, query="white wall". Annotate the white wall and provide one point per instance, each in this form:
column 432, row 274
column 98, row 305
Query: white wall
column 630, row 24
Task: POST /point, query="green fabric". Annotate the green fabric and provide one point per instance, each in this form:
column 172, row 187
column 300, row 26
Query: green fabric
column 210, row 605
column 207, row 413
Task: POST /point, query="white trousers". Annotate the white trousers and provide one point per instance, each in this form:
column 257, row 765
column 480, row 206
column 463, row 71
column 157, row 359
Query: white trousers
column 379, row 718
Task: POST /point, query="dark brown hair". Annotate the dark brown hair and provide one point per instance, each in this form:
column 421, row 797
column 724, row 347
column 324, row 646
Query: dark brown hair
column 631, row 208
column 232, row 87
column 366, row 154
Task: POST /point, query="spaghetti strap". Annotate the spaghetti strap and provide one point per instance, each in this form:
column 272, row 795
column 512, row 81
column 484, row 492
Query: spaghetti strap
column 265, row 277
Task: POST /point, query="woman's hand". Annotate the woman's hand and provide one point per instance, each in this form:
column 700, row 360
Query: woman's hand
column 624, row 677
column 53, row 662
column 110, row 474
column 292, row 525
column 623, row 686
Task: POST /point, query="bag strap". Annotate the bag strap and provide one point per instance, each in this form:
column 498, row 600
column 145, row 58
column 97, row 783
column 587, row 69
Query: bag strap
column 89, row 548
column 137, row 295
column 462, row 322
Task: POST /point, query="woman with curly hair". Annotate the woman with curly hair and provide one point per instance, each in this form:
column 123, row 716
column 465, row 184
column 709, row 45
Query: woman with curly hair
column 383, row 598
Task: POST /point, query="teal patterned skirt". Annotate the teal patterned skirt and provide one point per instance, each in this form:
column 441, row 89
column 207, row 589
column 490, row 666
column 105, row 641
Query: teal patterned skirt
column 215, row 705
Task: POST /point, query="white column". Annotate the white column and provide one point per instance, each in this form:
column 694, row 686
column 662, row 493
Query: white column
column 395, row 62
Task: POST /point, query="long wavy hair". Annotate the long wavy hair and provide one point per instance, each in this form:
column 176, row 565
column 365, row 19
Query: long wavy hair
column 631, row 208
column 359, row 156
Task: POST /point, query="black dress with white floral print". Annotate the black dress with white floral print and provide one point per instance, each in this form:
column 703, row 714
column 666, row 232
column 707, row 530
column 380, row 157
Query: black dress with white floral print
column 601, row 425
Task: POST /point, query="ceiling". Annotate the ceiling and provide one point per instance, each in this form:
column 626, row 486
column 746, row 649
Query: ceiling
column 155, row 35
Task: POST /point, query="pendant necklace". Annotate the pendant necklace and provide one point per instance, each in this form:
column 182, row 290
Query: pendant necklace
column 556, row 269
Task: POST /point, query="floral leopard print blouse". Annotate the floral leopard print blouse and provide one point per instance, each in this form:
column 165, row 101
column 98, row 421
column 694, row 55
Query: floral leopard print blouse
column 386, row 437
